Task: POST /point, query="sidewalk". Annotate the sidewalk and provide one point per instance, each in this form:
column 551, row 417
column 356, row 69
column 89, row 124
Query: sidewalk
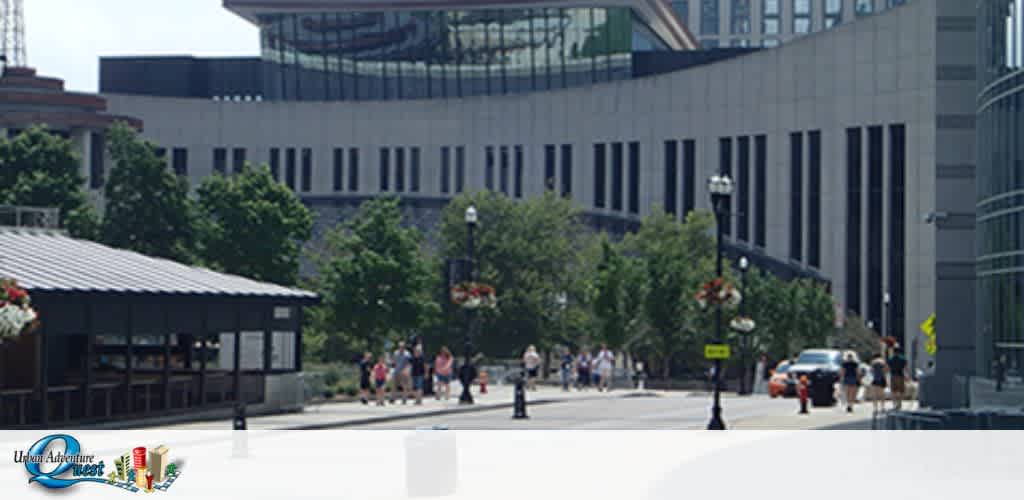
column 336, row 415
column 834, row 418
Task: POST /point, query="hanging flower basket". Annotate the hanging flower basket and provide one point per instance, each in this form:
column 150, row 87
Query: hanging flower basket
column 16, row 312
column 474, row 296
column 718, row 292
column 742, row 324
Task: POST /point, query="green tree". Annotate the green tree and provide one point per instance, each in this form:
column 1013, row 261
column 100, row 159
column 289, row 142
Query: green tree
column 857, row 337
column 619, row 294
column 252, row 226
column 39, row 169
column 375, row 280
column 147, row 206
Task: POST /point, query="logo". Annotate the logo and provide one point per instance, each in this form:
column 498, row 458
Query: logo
column 136, row 470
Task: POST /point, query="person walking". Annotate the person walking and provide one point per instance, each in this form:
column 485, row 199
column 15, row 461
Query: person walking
column 898, row 374
column 531, row 361
column 380, row 378
column 583, row 370
column 401, row 378
column 760, row 378
column 849, row 376
column 605, row 365
column 443, row 369
column 567, row 364
column 878, row 383
column 419, row 371
column 365, row 367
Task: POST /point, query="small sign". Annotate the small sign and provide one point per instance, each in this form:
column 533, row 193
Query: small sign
column 928, row 327
column 717, row 351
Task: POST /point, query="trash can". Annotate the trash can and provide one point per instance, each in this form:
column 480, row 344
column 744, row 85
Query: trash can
column 822, row 388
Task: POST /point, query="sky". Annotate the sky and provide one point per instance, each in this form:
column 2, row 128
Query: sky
column 66, row 38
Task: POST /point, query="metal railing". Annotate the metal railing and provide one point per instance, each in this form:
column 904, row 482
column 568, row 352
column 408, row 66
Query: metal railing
column 33, row 217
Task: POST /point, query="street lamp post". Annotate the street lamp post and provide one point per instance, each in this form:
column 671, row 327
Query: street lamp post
column 467, row 373
column 745, row 339
column 720, row 187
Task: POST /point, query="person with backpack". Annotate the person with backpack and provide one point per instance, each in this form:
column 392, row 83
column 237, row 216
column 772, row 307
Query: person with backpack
column 878, row 383
column 566, row 369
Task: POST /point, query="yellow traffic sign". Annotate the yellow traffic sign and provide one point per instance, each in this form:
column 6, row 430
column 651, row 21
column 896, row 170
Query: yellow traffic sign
column 928, row 327
column 717, row 351
column 929, row 346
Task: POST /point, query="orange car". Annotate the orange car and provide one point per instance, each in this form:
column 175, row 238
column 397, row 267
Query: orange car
column 780, row 383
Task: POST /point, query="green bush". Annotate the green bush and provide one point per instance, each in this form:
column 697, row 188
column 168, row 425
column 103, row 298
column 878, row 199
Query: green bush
column 328, row 394
column 332, row 375
column 347, row 387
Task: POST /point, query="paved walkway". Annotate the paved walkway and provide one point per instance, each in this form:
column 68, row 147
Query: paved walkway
column 817, row 418
column 333, row 415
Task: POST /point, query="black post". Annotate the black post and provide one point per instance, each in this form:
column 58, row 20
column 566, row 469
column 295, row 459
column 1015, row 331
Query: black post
column 519, row 405
column 719, row 205
column 744, row 340
column 467, row 372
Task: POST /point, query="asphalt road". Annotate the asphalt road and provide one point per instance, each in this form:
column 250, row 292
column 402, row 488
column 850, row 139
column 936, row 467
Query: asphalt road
column 675, row 411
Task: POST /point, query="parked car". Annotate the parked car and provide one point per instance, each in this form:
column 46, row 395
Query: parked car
column 781, row 383
column 811, row 360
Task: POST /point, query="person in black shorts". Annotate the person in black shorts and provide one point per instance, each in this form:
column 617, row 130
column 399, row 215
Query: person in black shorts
column 365, row 366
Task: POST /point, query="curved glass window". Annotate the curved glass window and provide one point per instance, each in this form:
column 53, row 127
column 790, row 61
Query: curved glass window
column 430, row 54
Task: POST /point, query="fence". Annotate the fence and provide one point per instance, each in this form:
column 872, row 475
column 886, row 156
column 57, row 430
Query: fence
column 14, row 216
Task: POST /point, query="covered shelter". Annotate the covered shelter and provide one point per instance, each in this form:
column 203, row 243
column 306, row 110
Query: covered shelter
column 123, row 336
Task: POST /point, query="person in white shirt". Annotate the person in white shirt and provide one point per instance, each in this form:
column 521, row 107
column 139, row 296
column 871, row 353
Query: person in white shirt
column 531, row 361
column 605, row 364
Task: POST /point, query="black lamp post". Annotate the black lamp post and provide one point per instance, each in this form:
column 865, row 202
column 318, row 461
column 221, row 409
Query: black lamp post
column 745, row 340
column 468, row 373
column 720, row 187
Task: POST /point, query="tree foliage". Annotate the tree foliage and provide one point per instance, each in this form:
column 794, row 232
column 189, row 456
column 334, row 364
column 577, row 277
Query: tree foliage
column 147, row 206
column 619, row 292
column 252, row 226
column 39, row 169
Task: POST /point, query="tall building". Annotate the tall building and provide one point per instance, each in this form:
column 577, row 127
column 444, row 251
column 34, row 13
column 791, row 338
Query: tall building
column 158, row 463
column 767, row 23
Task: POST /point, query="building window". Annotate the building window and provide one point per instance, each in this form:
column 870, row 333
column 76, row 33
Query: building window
column 307, row 170
column 414, row 169
column 689, row 176
column 518, row 175
column 600, row 159
column 897, row 235
column 503, row 171
column 220, row 160
column 446, row 169
column 709, row 17
column 725, row 168
column 275, row 164
column 97, row 150
column 399, row 169
column 743, row 188
column 709, row 43
column 385, row 168
column 237, row 159
column 760, row 190
column 769, row 43
column 616, row 176
column 634, row 177
column 770, row 15
column 460, row 169
column 814, row 199
column 740, row 17
column 339, row 175
column 179, row 161
column 549, row 166
column 876, row 169
column 567, row 170
column 353, row 170
column 801, row 16
column 864, row 7
column 489, row 168
column 739, row 42
column 833, row 13
column 796, row 193
column 289, row 168
column 671, row 176
column 854, row 162
column 682, row 9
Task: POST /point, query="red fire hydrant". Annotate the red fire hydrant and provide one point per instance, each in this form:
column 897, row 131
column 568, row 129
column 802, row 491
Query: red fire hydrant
column 483, row 382
column 803, row 393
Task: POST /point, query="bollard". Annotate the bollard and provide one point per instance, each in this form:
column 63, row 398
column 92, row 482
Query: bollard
column 519, row 406
column 803, row 394
column 238, row 423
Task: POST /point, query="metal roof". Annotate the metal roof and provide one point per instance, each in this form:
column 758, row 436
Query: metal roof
column 49, row 261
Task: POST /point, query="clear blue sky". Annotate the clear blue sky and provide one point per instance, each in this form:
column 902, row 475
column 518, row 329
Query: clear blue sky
column 65, row 38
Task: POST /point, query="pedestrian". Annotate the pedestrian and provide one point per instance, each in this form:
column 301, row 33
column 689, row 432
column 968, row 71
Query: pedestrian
column 531, row 361
column 365, row 367
column 878, row 384
column 443, row 369
column 418, row 370
column 761, row 375
column 401, row 377
column 898, row 374
column 583, row 370
column 380, row 378
column 567, row 364
column 605, row 365
column 849, row 375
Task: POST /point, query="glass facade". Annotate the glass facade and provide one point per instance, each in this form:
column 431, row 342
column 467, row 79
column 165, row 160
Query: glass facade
column 1000, row 185
column 446, row 53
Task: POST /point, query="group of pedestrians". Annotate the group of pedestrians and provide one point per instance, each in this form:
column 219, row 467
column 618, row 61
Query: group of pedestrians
column 890, row 372
column 584, row 369
column 405, row 374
